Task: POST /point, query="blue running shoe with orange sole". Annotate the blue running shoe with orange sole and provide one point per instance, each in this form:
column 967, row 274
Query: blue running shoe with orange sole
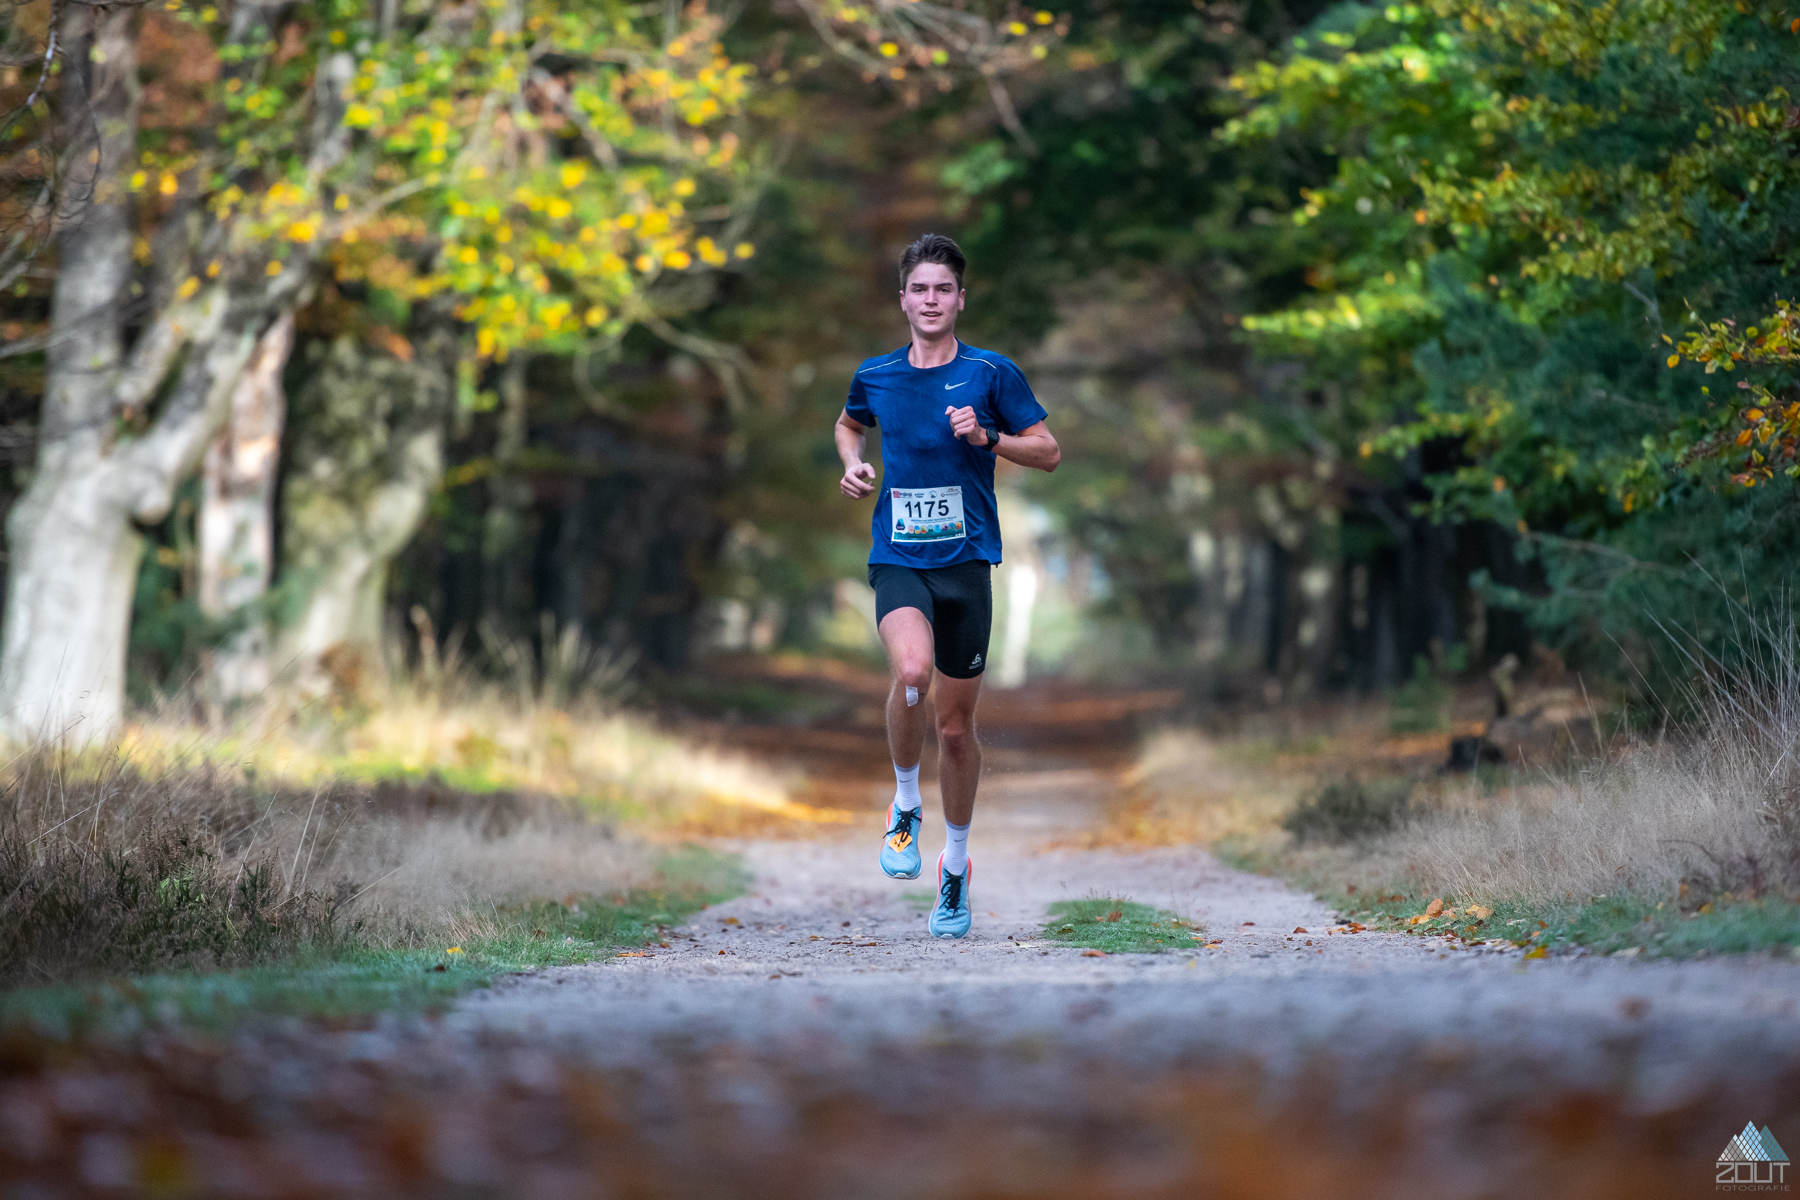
column 951, row 916
column 900, row 844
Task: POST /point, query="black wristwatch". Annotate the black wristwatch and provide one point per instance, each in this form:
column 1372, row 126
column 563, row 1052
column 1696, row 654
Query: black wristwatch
column 993, row 439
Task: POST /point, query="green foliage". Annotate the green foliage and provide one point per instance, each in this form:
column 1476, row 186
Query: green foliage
column 1118, row 926
column 1422, row 703
column 1523, row 199
column 1350, row 809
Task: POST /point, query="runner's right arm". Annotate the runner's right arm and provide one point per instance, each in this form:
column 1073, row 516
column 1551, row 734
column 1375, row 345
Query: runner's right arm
column 852, row 440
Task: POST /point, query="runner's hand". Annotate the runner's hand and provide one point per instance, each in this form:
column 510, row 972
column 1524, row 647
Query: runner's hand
column 858, row 481
column 964, row 425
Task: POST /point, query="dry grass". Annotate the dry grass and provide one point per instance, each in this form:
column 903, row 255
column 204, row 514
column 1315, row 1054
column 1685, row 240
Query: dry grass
column 1708, row 811
column 105, row 867
column 484, row 737
column 1182, row 790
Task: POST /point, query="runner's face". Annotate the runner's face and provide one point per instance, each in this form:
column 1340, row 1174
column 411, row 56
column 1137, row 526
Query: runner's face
column 931, row 299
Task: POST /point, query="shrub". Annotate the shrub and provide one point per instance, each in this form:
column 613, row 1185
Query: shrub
column 78, row 900
column 1421, row 704
column 1348, row 810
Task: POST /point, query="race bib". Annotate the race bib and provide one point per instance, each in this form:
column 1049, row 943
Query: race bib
column 927, row 515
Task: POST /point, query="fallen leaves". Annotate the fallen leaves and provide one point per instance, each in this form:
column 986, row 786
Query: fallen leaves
column 1299, row 929
column 1093, row 954
column 1434, row 908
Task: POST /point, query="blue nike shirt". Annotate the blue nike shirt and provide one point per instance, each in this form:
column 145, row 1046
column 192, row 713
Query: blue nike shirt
column 935, row 499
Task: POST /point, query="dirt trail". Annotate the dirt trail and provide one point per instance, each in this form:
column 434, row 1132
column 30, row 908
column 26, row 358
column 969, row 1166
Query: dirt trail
column 808, row 1039
column 1415, row 1068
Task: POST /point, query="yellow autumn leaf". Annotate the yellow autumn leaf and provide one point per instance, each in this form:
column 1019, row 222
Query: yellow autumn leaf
column 1674, row 360
column 188, row 287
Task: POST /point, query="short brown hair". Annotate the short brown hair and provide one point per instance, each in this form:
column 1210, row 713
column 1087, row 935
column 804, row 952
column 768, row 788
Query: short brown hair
column 933, row 248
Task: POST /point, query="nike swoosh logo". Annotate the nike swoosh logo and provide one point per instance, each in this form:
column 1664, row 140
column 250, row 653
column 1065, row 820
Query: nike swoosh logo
column 950, row 387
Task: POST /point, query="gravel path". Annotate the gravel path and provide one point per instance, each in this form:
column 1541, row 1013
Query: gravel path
column 808, row 1040
column 1470, row 1066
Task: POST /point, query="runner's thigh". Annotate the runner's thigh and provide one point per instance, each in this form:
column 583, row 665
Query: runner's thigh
column 898, row 587
column 964, row 599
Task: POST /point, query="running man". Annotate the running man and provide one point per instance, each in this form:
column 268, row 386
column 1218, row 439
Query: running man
column 946, row 410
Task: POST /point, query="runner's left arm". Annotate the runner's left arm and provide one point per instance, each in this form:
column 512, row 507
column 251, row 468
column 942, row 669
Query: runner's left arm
column 1033, row 446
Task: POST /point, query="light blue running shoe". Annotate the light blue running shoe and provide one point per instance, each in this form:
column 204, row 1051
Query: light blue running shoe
column 951, row 916
column 900, row 844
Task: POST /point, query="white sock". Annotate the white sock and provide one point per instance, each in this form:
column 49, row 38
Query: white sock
column 956, row 848
column 906, row 789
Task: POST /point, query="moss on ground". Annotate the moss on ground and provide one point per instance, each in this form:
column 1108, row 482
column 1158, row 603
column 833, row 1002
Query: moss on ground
column 1118, row 926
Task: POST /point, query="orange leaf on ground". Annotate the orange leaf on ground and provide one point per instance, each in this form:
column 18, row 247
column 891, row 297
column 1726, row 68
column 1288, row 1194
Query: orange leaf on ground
column 1299, row 929
column 1434, row 908
column 1093, row 954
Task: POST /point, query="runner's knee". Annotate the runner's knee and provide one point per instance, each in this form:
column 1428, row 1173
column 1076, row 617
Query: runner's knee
column 956, row 733
column 914, row 671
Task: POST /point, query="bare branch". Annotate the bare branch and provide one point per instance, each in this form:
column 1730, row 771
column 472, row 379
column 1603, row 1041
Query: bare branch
column 603, row 150
column 43, row 74
column 728, row 362
column 1009, row 116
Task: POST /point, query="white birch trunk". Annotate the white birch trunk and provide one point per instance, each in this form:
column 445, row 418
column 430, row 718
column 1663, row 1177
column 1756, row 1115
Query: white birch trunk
column 236, row 525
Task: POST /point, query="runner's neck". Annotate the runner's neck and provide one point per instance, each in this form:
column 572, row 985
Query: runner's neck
column 934, row 352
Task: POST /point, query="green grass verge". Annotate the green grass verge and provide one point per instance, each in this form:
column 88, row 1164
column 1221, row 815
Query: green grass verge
column 350, row 980
column 1118, row 926
column 1651, row 927
column 1601, row 924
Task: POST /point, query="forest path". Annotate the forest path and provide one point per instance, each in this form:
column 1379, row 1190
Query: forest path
column 810, row 1039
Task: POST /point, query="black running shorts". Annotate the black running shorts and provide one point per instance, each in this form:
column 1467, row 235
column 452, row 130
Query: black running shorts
column 958, row 601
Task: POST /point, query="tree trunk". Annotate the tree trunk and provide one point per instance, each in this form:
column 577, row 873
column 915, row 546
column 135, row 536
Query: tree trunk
column 73, row 554
column 237, row 517
column 114, row 443
column 367, row 451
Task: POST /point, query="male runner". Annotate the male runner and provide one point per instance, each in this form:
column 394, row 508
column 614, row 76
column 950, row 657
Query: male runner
column 945, row 410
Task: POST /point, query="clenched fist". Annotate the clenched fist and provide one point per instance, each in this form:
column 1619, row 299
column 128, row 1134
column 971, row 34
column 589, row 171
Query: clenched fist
column 858, row 481
column 964, row 425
